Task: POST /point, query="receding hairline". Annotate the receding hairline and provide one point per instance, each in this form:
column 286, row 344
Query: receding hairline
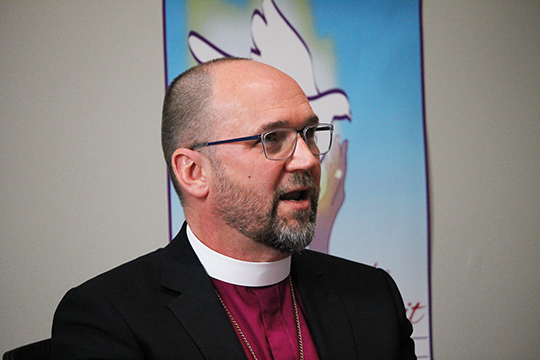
column 188, row 109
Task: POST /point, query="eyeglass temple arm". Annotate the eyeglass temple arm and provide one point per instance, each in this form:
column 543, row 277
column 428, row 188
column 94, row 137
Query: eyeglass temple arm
column 246, row 138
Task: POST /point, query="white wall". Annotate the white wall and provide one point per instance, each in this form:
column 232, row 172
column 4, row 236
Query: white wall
column 81, row 172
column 482, row 103
column 82, row 184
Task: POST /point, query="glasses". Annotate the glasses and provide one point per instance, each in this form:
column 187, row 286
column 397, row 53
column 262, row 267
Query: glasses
column 280, row 144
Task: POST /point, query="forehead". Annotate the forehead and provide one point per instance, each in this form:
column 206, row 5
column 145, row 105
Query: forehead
column 253, row 97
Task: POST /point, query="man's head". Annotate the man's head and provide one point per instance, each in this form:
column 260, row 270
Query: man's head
column 233, row 187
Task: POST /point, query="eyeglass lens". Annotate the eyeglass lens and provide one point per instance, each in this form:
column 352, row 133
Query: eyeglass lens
column 280, row 144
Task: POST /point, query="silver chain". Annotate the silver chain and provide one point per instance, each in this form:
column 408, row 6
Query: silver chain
column 242, row 335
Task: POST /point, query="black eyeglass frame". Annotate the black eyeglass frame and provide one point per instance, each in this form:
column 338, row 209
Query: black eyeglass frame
column 260, row 137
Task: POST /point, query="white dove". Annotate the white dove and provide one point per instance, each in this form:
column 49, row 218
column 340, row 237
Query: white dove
column 277, row 43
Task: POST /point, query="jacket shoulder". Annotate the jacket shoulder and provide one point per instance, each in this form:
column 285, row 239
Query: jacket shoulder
column 141, row 270
column 337, row 265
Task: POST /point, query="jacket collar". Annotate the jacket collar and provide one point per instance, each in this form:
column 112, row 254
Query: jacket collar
column 197, row 307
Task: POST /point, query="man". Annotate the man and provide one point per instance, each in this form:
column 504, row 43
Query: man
column 243, row 147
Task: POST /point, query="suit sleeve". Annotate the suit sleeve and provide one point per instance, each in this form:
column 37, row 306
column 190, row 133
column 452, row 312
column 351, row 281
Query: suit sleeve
column 406, row 343
column 87, row 326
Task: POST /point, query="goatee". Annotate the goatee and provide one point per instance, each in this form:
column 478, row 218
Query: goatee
column 248, row 212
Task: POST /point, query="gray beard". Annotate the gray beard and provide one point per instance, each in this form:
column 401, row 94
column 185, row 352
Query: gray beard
column 243, row 210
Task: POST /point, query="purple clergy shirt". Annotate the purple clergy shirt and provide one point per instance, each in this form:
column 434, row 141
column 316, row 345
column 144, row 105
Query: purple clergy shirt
column 266, row 317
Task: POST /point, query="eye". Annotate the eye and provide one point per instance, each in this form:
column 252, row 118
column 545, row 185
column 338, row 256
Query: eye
column 276, row 136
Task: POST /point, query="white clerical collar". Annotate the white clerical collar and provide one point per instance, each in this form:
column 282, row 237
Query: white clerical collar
column 238, row 272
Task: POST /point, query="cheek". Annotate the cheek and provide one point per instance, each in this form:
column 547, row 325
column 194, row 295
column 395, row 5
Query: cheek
column 265, row 179
column 316, row 173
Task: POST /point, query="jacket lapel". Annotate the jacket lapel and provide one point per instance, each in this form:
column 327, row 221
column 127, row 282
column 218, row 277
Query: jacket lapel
column 200, row 312
column 326, row 315
column 197, row 307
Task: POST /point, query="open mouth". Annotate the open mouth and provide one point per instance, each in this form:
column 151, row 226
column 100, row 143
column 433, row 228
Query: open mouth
column 295, row 195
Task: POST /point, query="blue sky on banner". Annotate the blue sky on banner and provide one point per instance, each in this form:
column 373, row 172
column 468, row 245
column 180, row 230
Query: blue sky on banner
column 369, row 52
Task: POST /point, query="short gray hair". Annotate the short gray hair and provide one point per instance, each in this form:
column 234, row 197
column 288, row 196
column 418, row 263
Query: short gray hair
column 187, row 113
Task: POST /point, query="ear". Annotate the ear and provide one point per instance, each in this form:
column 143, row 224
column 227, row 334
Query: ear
column 189, row 167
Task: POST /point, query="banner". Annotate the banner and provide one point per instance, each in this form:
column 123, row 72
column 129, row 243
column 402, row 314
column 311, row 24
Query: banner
column 359, row 62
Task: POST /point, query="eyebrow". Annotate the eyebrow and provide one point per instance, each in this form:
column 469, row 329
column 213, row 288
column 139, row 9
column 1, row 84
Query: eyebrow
column 284, row 124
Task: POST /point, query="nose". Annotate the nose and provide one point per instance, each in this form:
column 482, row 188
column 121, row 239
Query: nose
column 302, row 158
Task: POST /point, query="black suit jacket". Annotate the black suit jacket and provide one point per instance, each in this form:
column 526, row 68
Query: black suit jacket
column 163, row 306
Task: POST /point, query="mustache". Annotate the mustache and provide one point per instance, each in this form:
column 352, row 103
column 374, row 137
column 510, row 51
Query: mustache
column 298, row 180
